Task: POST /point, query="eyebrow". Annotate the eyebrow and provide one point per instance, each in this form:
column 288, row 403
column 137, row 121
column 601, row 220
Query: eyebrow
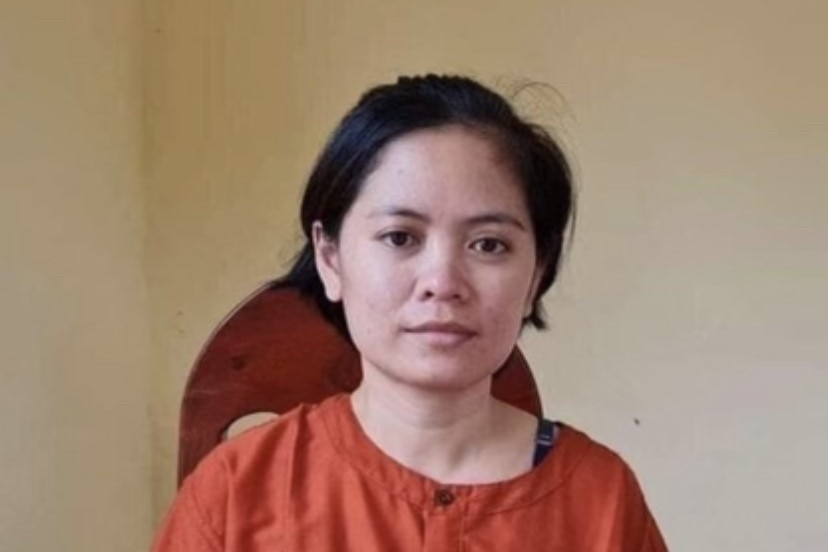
column 496, row 217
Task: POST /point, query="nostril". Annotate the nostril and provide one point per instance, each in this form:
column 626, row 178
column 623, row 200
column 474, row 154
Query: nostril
column 444, row 291
column 442, row 278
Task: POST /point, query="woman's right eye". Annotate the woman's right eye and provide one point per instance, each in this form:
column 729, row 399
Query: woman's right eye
column 398, row 238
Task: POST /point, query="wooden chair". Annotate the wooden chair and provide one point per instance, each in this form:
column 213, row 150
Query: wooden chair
column 273, row 352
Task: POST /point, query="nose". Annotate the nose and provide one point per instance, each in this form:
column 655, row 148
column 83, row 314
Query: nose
column 443, row 277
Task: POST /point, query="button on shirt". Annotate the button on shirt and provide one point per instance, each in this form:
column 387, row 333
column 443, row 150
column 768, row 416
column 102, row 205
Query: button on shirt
column 313, row 481
column 443, row 497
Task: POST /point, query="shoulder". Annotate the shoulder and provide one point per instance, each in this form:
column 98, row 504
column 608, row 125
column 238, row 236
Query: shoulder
column 262, row 443
column 250, row 472
column 255, row 453
column 596, row 474
column 606, row 492
column 592, row 459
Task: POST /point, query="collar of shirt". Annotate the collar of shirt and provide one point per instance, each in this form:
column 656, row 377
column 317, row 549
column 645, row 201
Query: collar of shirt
column 380, row 470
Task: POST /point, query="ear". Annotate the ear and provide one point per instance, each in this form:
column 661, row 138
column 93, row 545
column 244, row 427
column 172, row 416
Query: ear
column 326, row 255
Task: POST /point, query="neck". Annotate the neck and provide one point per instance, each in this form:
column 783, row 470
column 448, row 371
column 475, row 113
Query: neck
column 449, row 436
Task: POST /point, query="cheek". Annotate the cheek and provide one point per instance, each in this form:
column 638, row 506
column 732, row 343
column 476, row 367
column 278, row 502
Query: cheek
column 510, row 293
column 506, row 322
column 371, row 290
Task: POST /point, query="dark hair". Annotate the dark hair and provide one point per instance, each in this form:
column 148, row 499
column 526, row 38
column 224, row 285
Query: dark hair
column 390, row 111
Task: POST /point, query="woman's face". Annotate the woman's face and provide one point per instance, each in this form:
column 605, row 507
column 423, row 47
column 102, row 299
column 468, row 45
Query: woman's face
column 435, row 262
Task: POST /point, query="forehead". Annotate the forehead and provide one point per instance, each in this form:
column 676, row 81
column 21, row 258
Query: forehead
column 448, row 169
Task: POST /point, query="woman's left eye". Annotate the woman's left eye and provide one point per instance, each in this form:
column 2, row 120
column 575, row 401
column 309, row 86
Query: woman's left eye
column 490, row 246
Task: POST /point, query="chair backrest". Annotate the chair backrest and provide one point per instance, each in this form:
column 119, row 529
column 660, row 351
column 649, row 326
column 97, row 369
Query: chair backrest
column 273, row 352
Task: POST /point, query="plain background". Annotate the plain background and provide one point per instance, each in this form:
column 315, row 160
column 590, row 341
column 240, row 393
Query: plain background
column 152, row 154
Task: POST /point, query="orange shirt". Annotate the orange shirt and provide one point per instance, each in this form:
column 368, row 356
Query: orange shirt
column 313, row 481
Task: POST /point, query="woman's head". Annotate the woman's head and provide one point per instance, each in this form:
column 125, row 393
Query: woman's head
column 389, row 112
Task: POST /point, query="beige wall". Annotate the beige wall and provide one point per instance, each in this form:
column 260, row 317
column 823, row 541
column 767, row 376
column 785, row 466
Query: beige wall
column 74, row 340
column 694, row 299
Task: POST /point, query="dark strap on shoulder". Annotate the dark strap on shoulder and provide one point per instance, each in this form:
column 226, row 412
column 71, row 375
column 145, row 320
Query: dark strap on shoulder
column 544, row 441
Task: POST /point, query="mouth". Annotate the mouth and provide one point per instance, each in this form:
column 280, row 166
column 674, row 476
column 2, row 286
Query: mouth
column 442, row 333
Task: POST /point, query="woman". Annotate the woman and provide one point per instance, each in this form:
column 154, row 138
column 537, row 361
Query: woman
column 435, row 219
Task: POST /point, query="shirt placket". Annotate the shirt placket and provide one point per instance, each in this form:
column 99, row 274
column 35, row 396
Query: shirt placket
column 444, row 522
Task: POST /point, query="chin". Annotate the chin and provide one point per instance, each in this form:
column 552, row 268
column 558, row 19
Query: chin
column 441, row 376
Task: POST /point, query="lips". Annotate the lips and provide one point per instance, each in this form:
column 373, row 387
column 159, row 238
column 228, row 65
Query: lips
column 442, row 333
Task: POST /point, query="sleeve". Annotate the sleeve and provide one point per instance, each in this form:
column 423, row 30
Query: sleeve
column 619, row 512
column 197, row 518
column 653, row 541
column 648, row 533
